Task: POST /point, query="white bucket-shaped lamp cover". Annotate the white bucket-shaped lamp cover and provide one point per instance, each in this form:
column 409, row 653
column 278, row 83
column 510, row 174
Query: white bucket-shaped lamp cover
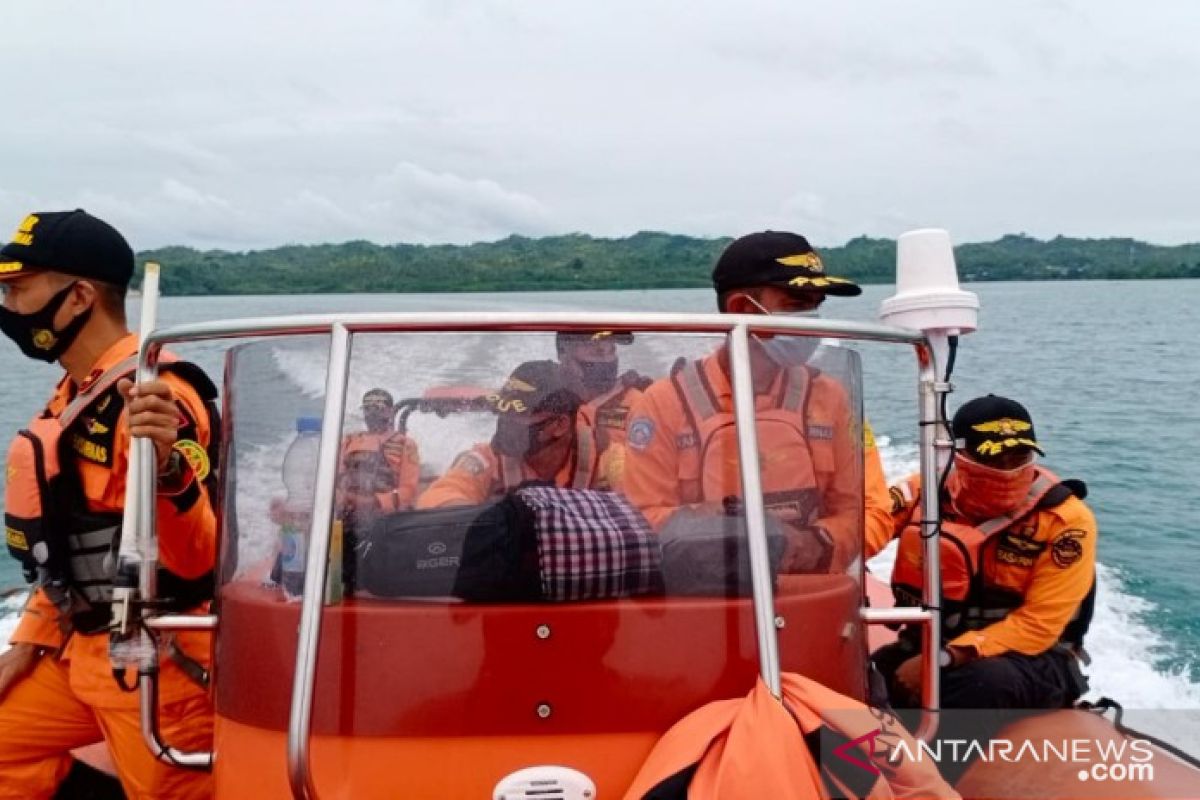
column 927, row 296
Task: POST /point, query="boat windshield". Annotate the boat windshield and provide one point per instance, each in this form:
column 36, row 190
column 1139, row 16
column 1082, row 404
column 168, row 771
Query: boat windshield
column 534, row 532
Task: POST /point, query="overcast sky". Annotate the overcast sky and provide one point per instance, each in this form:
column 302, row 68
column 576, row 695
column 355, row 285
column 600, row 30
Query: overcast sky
column 256, row 123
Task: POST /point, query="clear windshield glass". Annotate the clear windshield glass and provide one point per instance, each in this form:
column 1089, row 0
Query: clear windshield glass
column 538, row 534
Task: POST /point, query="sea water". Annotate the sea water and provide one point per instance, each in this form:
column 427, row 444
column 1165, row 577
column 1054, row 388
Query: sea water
column 1108, row 370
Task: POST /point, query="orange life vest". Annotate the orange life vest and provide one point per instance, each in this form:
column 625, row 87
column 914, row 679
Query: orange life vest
column 970, row 599
column 815, row 744
column 374, row 468
column 708, row 451
column 587, row 458
column 608, row 414
column 67, row 550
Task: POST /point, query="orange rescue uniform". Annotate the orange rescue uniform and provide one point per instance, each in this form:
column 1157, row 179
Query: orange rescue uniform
column 71, row 698
column 479, row 474
column 403, row 460
column 1048, row 559
column 608, row 414
column 662, row 437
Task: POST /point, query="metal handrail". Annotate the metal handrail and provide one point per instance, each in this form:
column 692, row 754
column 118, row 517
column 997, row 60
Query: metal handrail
column 929, row 615
column 148, row 590
column 756, row 528
column 317, row 566
column 930, row 391
column 367, row 322
column 341, row 327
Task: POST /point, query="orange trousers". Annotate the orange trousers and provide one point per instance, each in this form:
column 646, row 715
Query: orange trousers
column 41, row 721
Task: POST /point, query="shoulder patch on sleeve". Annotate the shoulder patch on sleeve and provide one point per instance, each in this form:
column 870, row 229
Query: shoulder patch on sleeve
column 868, row 435
column 470, row 462
column 196, row 457
column 641, row 433
column 1067, row 548
column 902, row 496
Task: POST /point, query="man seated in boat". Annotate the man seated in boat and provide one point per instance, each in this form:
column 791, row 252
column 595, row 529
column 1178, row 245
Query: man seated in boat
column 682, row 444
column 590, row 359
column 380, row 466
column 539, row 437
column 1018, row 556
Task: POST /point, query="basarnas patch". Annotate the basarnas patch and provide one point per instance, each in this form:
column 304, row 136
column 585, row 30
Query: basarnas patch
column 641, row 432
column 196, row 457
column 1067, row 548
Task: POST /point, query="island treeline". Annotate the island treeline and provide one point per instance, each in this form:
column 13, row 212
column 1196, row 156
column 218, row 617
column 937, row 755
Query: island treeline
column 643, row 261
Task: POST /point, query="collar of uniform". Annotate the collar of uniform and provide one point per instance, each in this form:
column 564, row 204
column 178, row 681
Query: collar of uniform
column 117, row 352
column 720, row 384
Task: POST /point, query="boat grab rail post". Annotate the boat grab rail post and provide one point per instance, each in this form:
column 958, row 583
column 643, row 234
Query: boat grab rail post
column 929, row 614
column 756, row 527
column 933, row 435
column 147, row 538
column 341, row 327
column 317, row 565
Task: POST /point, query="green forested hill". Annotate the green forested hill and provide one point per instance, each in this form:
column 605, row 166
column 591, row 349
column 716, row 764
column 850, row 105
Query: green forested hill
column 645, row 260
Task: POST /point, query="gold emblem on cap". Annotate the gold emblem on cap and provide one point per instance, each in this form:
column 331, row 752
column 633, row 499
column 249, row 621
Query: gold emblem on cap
column 517, row 385
column 804, row 281
column 991, row 447
column 10, row 266
column 24, row 234
column 1005, row 426
column 807, row 260
column 44, row 339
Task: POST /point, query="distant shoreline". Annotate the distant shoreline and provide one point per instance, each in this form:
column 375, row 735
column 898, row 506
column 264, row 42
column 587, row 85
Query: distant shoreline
column 135, row 294
column 643, row 261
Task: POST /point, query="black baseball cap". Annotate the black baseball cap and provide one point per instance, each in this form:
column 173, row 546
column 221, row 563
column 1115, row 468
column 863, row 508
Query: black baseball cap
column 564, row 338
column 71, row 242
column 379, row 394
column 777, row 258
column 988, row 426
column 536, row 386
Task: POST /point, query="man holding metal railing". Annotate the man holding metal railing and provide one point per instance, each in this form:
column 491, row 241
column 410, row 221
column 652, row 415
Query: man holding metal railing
column 64, row 278
column 1018, row 560
column 681, row 441
column 380, row 466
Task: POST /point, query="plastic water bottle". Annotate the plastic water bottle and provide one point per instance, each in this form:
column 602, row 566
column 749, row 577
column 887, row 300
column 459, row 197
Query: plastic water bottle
column 299, row 477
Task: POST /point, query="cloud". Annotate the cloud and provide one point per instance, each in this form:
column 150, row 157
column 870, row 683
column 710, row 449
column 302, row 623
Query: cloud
column 248, row 125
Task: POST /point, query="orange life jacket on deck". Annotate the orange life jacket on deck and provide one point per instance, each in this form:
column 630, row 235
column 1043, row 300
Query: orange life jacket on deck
column 67, row 550
column 971, row 598
column 815, row 744
column 708, row 454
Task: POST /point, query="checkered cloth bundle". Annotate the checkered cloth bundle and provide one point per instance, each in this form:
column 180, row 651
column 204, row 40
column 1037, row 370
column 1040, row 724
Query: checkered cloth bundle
column 592, row 545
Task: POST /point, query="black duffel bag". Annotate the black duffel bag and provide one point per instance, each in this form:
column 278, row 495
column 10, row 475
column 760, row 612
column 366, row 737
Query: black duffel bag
column 484, row 553
column 538, row 543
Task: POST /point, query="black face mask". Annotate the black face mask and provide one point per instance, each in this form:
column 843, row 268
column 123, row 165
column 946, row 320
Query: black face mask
column 515, row 440
column 598, row 376
column 34, row 332
column 377, row 419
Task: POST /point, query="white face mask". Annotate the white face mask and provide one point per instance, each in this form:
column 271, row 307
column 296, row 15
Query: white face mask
column 788, row 350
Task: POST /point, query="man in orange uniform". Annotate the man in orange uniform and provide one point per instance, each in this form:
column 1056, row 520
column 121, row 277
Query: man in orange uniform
column 1018, row 566
column 590, row 358
column 539, row 437
column 64, row 278
column 380, row 466
column 682, row 447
